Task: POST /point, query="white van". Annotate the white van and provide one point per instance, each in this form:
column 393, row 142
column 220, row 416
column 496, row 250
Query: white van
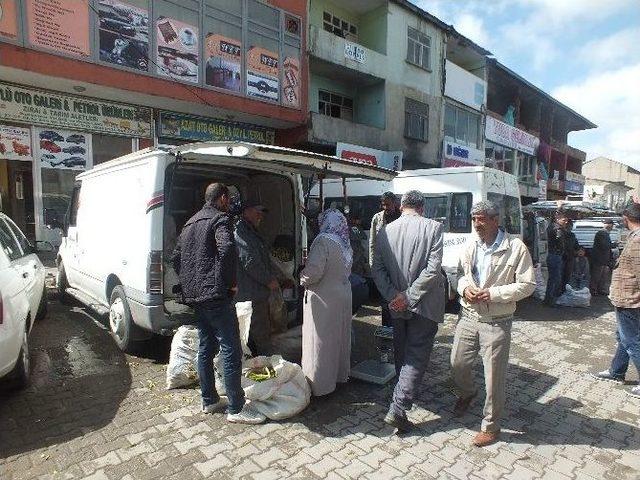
column 449, row 194
column 126, row 214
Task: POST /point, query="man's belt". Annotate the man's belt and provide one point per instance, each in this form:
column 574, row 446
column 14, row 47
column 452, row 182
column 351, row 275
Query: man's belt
column 472, row 314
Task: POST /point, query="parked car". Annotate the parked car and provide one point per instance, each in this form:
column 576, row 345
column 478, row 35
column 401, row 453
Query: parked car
column 125, row 216
column 50, row 146
column 75, row 138
column 23, row 300
column 74, row 150
column 51, row 135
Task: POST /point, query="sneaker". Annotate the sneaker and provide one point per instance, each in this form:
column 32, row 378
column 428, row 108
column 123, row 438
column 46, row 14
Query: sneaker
column 398, row 421
column 635, row 391
column 606, row 375
column 219, row 406
column 246, row 415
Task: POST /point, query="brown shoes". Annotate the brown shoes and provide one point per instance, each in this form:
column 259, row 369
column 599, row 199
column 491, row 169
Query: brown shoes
column 482, row 439
column 462, row 405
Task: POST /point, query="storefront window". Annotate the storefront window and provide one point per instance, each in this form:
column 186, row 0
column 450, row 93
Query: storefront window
column 461, row 126
column 526, row 168
column 107, row 147
column 57, row 185
column 500, row 157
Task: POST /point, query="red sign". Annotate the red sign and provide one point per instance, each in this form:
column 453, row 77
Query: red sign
column 359, row 157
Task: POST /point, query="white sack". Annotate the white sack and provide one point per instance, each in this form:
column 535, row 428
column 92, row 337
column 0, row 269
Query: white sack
column 575, row 298
column 281, row 397
column 182, row 368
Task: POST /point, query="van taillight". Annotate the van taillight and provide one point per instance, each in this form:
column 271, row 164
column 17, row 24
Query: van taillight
column 154, row 282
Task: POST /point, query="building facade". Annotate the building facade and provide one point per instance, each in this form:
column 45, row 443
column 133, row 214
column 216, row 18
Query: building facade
column 610, row 183
column 84, row 81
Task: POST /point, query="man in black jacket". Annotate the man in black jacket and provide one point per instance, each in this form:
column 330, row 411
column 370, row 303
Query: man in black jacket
column 557, row 243
column 205, row 259
column 600, row 259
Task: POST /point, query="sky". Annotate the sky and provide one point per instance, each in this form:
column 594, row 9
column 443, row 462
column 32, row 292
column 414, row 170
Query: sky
column 585, row 53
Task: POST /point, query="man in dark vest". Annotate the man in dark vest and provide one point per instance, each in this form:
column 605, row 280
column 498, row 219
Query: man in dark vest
column 205, row 259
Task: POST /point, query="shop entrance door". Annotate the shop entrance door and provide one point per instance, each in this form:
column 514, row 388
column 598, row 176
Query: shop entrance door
column 20, row 204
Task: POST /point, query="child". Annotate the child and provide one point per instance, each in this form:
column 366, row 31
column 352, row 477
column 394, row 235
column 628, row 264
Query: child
column 580, row 276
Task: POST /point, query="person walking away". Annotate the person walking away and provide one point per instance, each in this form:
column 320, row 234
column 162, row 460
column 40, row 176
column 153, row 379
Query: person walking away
column 601, row 259
column 625, row 297
column 570, row 252
column 556, row 239
column 407, row 271
column 388, row 214
column 326, row 326
column 256, row 276
column 495, row 272
column 205, row 260
column 580, row 274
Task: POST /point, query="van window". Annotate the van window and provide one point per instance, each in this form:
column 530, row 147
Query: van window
column 461, row 212
column 22, row 240
column 435, row 208
column 75, row 204
column 509, row 210
column 363, row 208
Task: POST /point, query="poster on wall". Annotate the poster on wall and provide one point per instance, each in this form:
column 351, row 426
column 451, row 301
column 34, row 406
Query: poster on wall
column 60, row 25
column 63, row 149
column 291, row 83
column 224, row 62
column 177, row 49
column 262, row 74
column 15, row 143
column 124, row 34
column 8, row 19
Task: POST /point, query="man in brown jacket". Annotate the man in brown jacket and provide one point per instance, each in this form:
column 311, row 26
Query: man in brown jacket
column 625, row 296
column 495, row 272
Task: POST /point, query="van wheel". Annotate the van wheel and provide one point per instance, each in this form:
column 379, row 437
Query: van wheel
column 44, row 305
column 120, row 321
column 20, row 374
column 62, row 285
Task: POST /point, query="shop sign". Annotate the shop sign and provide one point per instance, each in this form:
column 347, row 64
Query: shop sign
column 188, row 127
column 554, row 184
column 15, row 143
column 455, row 155
column 504, row 134
column 542, row 193
column 50, row 109
column 359, row 154
column 177, row 49
column 355, row 52
column 263, row 74
column 291, row 84
column 573, row 187
column 59, row 25
column 63, row 149
column 575, row 177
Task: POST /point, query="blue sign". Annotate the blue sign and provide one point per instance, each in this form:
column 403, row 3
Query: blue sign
column 573, row 187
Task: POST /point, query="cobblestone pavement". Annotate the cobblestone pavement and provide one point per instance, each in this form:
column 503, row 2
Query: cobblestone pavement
column 95, row 413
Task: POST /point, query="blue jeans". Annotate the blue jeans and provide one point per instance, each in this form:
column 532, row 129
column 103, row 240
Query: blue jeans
column 628, row 336
column 218, row 328
column 554, row 283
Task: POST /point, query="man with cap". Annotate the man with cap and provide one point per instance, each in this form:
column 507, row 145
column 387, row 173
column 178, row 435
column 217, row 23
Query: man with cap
column 256, row 278
column 600, row 259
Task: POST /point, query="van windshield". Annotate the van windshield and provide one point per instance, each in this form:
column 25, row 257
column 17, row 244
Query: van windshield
column 509, row 210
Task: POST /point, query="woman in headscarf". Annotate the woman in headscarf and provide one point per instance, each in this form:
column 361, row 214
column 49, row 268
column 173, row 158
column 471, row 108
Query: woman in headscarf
column 326, row 329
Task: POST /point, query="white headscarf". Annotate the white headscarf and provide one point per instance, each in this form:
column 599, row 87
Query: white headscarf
column 333, row 225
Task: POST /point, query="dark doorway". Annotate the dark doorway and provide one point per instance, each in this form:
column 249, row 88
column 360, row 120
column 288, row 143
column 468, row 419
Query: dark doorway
column 20, row 204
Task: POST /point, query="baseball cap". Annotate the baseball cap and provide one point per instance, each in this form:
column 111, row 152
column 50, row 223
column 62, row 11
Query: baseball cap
column 254, row 204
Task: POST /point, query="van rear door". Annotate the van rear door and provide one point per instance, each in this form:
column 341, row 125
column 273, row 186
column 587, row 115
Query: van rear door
column 268, row 157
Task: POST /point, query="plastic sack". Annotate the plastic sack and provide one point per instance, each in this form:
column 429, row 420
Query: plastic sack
column 575, row 298
column 278, row 312
column 541, row 284
column 182, row 368
column 281, row 397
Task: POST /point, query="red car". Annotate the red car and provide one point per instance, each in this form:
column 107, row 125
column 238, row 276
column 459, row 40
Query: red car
column 49, row 145
column 20, row 149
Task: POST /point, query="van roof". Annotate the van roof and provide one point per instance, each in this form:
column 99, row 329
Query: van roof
column 446, row 171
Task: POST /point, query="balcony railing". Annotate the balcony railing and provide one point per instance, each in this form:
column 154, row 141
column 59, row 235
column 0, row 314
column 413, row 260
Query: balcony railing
column 340, row 51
